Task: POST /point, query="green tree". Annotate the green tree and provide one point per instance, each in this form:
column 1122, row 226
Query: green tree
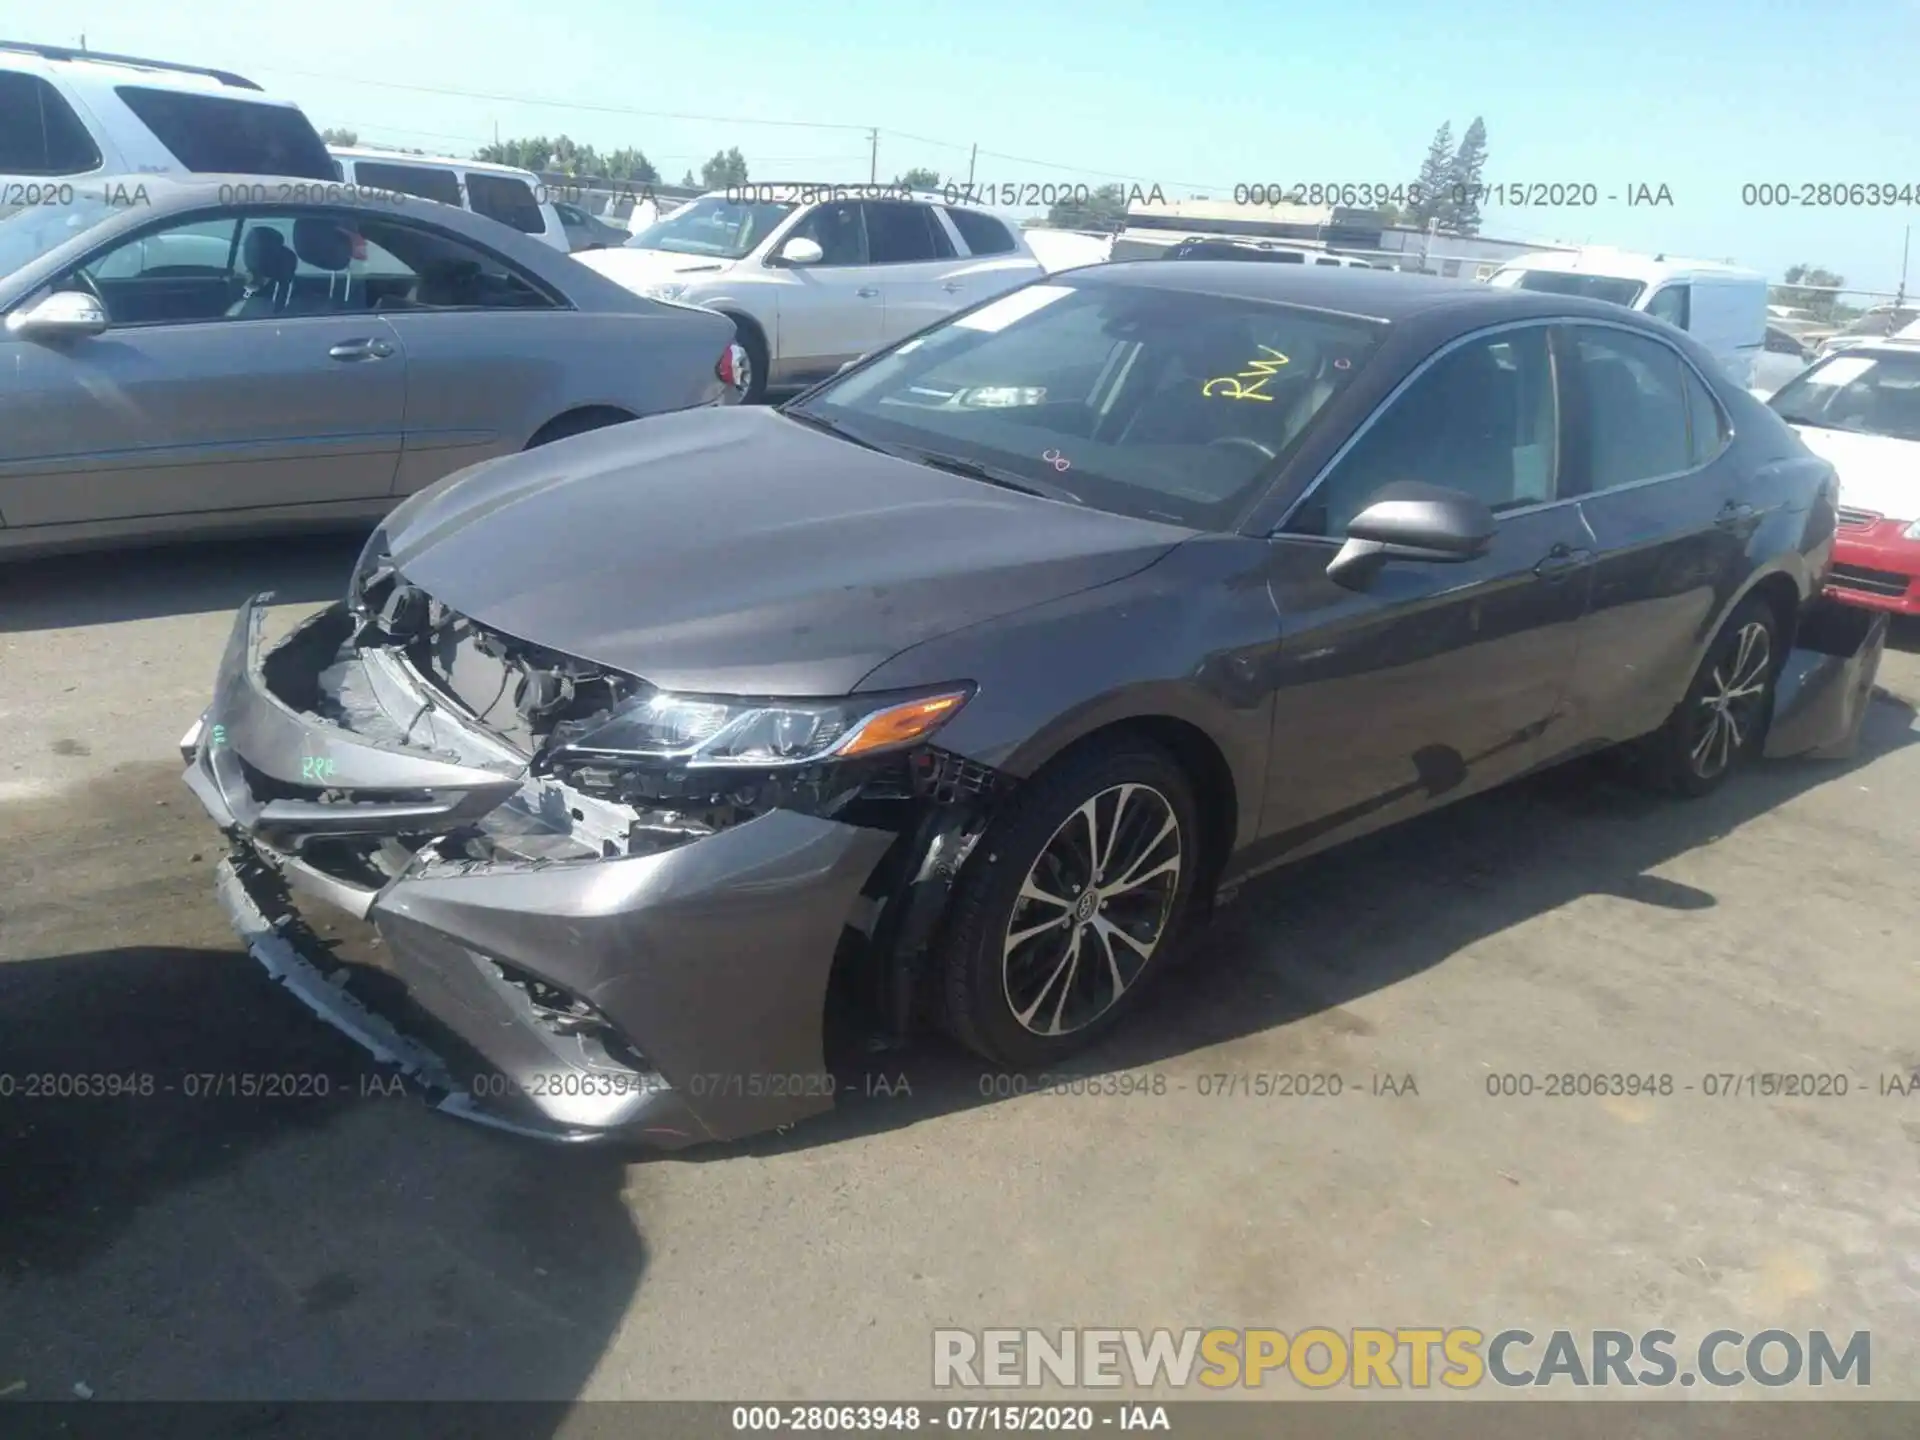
column 1460, row 207
column 338, row 135
column 1105, row 209
column 688, row 180
column 727, row 167
column 631, row 165
column 571, row 158
column 919, row 178
column 530, row 153
column 1809, row 287
column 1430, row 185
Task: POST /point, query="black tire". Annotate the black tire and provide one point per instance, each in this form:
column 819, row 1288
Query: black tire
column 1695, row 751
column 578, row 422
column 755, row 344
column 1000, row 946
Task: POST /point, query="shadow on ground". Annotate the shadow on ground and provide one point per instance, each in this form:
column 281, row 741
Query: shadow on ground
column 67, row 591
column 1307, row 939
column 261, row 1214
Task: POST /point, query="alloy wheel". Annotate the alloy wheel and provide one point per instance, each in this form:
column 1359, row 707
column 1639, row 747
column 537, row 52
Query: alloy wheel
column 1732, row 706
column 741, row 360
column 1093, row 909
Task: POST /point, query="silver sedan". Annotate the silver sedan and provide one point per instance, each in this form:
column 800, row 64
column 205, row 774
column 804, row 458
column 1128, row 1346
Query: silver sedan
column 222, row 354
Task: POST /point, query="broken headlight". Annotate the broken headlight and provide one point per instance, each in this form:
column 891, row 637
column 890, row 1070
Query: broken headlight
column 712, row 731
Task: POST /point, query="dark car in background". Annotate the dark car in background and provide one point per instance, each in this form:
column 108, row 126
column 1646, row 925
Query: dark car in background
column 979, row 670
column 199, row 355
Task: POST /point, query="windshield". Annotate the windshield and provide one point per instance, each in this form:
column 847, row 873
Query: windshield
column 1149, row 402
column 1872, row 394
column 713, row 225
column 32, row 231
column 1610, row 288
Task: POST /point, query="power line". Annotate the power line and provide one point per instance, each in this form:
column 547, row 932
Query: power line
column 557, row 104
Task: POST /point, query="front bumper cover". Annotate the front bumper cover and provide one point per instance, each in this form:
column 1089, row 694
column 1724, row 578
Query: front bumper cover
column 709, row 960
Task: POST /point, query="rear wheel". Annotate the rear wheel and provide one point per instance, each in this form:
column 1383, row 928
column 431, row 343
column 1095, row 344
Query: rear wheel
column 1723, row 718
column 1072, row 895
column 753, row 386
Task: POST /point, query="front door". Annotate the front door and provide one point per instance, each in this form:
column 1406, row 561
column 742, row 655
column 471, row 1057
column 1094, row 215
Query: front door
column 834, row 310
column 1438, row 679
column 206, row 393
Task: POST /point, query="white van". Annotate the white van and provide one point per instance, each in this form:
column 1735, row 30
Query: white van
column 1722, row 307
column 67, row 116
column 513, row 197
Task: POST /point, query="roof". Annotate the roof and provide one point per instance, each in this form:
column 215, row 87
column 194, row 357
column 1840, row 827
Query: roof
column 109, row 68
column 1375, row 294
column 1623, row 264
column 407, row 157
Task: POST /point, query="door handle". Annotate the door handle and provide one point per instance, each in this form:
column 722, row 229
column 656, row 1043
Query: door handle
column 1560, row 561
column 360, row 350
column 866, row 292
column 1733, row 512
column 952, row 285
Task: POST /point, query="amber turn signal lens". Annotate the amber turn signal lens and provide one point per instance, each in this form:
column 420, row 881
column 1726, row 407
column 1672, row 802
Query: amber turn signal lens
column 902, row 724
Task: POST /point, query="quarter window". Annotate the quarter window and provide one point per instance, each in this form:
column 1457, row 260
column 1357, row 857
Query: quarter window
column 1636, row 407
column 984, row 234
column 1480, row 420
column 219, row 135
column 1706, row 425
column 39, row 133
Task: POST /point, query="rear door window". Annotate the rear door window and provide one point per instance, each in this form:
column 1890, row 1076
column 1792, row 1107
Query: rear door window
column 422, row 180
column 1636, row 407
column 39, row 133
column 220, row 135
column 900, row 233
column 503, row 198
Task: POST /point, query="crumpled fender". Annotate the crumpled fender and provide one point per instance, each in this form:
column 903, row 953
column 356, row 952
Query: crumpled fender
column 1821, row 696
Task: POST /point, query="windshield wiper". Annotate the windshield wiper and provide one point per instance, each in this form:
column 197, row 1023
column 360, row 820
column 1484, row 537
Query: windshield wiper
column 834, row 427
column 974, row 470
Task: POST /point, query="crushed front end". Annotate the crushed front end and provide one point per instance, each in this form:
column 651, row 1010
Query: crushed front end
column 587, row 921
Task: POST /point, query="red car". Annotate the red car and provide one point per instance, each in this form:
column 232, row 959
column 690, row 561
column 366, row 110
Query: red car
column 1860, row 410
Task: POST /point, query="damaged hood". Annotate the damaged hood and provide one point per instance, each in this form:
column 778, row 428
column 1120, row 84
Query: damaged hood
column 734, row 551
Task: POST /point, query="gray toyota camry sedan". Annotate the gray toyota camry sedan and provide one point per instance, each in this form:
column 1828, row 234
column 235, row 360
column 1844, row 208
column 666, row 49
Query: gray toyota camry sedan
column 980, row 670
column 240, row 353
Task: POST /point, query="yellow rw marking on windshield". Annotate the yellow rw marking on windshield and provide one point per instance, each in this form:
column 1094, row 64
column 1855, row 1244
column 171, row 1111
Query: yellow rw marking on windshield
column 1234, row 387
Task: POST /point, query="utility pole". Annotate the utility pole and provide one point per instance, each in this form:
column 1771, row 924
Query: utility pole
column 873, row 160
column 1906, row 247
column 970, row 159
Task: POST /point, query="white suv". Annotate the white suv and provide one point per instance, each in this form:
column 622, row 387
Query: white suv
column 513, row 197
column 68, row 116
column 815, row 276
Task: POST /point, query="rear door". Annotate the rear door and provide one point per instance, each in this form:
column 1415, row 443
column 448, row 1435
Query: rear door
column 196, row 399
column 488, row 348
column 924, row 275
column 1438, row 679
column 1649, row 456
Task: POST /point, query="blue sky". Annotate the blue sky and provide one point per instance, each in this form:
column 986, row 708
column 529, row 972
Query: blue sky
column 1702, row 98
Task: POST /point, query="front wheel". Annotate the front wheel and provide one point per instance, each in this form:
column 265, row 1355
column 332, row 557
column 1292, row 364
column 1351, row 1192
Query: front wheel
column 1068, row 904
column 1724, row 715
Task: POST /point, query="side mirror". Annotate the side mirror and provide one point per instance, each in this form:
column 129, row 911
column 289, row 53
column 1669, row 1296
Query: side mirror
column 801, row 251
column 63, row 313
column 1412, row 521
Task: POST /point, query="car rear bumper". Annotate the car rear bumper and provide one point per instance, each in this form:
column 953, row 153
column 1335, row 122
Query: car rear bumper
column 669, row 997
column 1876, row 566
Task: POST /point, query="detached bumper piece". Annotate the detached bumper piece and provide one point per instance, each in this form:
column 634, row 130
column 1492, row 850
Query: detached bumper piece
column 1820, row 700
column 536, row 974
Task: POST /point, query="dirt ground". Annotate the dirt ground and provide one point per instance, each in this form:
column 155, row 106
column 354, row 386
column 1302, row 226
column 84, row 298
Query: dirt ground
column 359, row 1245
